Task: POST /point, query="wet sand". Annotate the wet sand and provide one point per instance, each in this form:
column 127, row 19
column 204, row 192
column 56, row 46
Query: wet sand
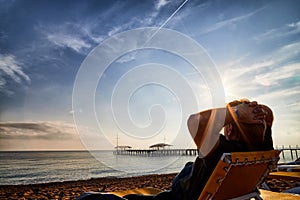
column 72, row 189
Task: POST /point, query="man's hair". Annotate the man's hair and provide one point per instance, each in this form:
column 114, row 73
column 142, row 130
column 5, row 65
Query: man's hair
column 250, row 134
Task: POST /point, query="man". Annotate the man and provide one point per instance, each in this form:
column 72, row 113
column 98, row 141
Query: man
column 247, row 127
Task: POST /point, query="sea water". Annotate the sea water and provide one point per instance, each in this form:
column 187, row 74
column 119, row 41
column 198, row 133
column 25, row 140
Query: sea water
column 55, row 166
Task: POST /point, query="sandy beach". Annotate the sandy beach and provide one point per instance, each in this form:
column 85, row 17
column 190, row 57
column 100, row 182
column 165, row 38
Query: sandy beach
column 72, row 189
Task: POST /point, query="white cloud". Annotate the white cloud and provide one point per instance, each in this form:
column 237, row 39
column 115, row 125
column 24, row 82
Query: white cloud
column 127, row 58
column 293, row 28
column 285, row 104
column 294, row 25
column 148, row 20
column 76, row 36
column 275, row 61
column 274, row 33
column 284, row 95
column 267, row 34
column 161, row 3
column 274, row 70
column 79, row 36
column 280, row 73
column 117, row 29
column 2, row 82
column 266, row 81
column 87, row 30
column 10, row 67
column 287, row 52
column 71, row 41
column 234, row 70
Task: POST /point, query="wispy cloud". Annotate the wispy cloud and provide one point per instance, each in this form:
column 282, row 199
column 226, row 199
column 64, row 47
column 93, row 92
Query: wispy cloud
column 235, row 70
column 37, row 130
column 275, row 72
column 11, row 68
column 151, row 19
column 75, row 36
column 161, row 3
column 295, row 27
column 284, row 98
column 229, row 22
column 2, row 82
column 69, row 41
column 82, row 35
column 289, row 29
column 288, row 52
column 275, row 61
column 280, row 73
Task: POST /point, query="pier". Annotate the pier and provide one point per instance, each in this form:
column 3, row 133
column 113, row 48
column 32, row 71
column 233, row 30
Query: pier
column 157, row 152
column 286, row 152
column 159, row 149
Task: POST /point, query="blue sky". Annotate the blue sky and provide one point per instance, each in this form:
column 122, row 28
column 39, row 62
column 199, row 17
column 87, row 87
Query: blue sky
column 253, row 44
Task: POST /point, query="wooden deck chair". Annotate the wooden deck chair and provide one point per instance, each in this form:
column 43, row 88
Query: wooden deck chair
column 238, row 175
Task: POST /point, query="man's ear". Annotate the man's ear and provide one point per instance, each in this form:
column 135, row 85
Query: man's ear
column 229, row 129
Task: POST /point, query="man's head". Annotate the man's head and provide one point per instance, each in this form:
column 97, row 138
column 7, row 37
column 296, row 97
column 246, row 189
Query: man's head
column 250, row 134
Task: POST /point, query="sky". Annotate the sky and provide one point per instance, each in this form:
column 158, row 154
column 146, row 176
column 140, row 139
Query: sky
column 95, row 74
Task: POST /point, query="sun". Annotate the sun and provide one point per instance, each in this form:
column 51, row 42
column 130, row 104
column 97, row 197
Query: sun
column 231, row 91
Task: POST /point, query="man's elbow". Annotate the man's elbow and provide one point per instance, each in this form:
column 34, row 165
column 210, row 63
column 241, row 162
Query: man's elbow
column 193, row 124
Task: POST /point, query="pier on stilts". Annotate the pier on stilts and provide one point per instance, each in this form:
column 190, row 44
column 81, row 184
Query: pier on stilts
column 157, row 152
column 162, row 149
column 159, row 149
column 287, row 151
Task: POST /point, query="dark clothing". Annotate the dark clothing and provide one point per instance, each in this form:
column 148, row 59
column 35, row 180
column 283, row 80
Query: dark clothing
column 189, row 183
column 268, row 141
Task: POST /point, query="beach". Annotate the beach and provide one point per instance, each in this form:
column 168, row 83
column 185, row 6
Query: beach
column 72, row 189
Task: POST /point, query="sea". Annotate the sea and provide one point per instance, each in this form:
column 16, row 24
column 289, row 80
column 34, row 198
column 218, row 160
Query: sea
column 33, row 167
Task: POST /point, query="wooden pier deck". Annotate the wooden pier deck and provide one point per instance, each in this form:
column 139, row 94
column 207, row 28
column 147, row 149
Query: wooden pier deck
column 286, row 151
column 158, row 152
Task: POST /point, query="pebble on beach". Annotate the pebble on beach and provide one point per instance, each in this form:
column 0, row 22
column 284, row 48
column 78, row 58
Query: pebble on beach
column 72, row 189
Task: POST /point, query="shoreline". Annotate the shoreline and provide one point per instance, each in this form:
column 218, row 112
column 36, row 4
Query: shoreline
column 72, row 189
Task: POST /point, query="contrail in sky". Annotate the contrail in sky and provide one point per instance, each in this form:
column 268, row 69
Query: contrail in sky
column 174, row 13
column 169, row 18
